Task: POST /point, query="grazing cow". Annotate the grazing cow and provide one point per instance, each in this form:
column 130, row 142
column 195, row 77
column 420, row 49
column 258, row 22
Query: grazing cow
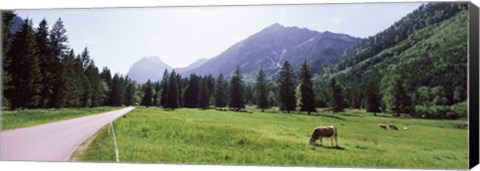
column 324, row 132
column 392, row 126
column 382, row 126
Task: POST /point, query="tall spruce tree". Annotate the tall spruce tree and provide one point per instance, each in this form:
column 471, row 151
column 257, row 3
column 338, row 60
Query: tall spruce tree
column 163, row 88
column 191, row 92
column 203, row 93
column 180, row 89
column 237, row 97
column 147, row 94
column 221, row 92
column 25, row 86
column 172, row 92
column 59, row 49
column 73, row 86
column 7, row 18
column 286, row 87
column 372, row 103
column 307, row 96
column 262, row 92
column 337, row 101
column 46, row 63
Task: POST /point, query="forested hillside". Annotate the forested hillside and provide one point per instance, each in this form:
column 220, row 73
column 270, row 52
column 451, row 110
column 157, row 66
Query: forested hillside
column 424, row 54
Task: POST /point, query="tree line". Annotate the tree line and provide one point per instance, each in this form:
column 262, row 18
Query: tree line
column 41, row 71
column 203, row 92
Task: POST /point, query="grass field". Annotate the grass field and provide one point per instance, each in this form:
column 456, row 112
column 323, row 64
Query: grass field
column 193, row 136
column 32, row 117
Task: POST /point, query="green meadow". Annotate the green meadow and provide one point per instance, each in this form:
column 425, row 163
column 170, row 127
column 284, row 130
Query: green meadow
column 194, row 136
column 31, row 117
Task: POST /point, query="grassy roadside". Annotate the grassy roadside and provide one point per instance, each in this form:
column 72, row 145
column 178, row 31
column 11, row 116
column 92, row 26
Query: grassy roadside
column 193, row 136
column 31, row 117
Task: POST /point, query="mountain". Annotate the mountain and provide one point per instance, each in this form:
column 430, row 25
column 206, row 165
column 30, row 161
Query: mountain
column 191, row 66
column 427, row 49
column 148, row 68
column 272, row 46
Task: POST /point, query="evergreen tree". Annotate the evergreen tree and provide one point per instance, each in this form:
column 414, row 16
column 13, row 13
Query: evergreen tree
column 164, row 88
column 130, row 93
column 73, row 80
column 43, row 42
column 97, row 92
column 59, row 49
column 25, row 86
column 7, row 18
column 221, row 92
column 307, row 96
column 372, row 99
column 395, row 97
column 172, row 92
column 82, row 64
column 261, row 91
column 147, row 94
column 157, row 93
column 191, row 92
column 287, row 88
column 337, row 102
column 203, row 93
column 117, row 93
column 249, row 95
column 180, row 90
column 106, row 84
column 237, row 98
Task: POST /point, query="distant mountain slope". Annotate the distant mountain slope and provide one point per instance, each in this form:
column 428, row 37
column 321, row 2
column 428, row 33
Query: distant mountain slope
column 272, row 46
column 427, row 48
column 192, row 66
column 148, row 68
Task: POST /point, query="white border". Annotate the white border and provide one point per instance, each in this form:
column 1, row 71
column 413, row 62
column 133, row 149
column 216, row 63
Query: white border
column 62, row 166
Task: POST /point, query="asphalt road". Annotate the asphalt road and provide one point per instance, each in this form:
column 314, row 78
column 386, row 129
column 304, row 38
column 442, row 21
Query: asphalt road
column 53, row 141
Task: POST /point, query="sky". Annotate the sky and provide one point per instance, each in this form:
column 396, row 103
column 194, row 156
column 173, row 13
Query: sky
column 118, row 37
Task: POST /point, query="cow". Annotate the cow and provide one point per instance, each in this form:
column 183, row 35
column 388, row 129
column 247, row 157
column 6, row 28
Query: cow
column 392, row 126
column 382, row 126
column 324, row 132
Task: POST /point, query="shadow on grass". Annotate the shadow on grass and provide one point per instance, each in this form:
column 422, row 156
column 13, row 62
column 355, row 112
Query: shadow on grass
column 329, row 147
column 328, row 116
column 346, row 114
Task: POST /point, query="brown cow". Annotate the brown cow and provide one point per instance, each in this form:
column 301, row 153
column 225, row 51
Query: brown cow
column 392, row 126
column 324, row 132
column 382, row 126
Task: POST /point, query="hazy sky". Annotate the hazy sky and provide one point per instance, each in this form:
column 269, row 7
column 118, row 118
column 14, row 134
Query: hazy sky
column 117, row 37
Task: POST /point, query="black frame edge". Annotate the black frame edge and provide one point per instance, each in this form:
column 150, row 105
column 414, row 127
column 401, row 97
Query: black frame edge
column 473, row 85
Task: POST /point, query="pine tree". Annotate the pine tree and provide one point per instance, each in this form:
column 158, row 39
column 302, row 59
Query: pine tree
column 7, row 18
column 337, row 102
column 203, row 93
column 106, row 84
column 237, row 98
column 287, row 88
column 172, row 92
column 221, row 92
column 163, row 88
column 47, row 62
column 147, row 94
column 97, row 92
column 82, row 64
column 130, row 92
column 191, row 92
column 73, row 86
column 157, row 94
column 25, row 86
column 59, row 49
column 180, row 90
column 372, row 102
column 262, row 91
column 307, row 96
